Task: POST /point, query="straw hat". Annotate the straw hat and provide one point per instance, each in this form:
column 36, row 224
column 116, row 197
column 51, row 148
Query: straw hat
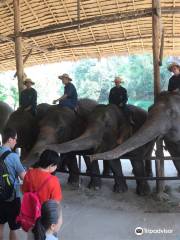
column 118, row 79
column 28, row 80
column 65, row 75
column 174, row 64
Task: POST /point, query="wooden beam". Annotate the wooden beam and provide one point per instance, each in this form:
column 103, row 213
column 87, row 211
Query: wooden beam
column 103, row 19
column 155, row 39
column 18, row 45
column 156, row 5
column 78, row 13
column 161, row 48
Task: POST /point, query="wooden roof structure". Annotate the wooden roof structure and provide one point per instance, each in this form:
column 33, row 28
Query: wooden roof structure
column 59, row 30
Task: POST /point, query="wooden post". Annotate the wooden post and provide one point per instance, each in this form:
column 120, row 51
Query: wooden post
column 25, row 60
column 78, row 13
column 161, row 48
column 18, row 45
column 156, row 14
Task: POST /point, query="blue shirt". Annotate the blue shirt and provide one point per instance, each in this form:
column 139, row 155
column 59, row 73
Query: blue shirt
column 14, row 167
column 51, row 237
column 71, row 100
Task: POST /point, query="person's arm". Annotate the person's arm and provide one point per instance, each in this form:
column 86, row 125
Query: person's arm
column 170, row 85
column 124, row 97
column 22, row 175
column 19, row 167
column 20, row 99
column 61, row 98
column 110, row 96
column 34, row 99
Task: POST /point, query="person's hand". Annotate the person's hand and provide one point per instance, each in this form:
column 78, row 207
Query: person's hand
column 54, row 101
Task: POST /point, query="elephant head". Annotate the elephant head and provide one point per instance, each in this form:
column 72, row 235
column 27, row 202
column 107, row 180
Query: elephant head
column 60, row 125
column 162, row 121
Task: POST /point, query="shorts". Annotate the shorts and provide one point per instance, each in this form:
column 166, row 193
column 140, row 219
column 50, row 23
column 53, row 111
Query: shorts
column 8, row 213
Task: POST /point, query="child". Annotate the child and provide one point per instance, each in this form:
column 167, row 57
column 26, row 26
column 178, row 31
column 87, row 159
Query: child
column 49, row 223
column 43, row 170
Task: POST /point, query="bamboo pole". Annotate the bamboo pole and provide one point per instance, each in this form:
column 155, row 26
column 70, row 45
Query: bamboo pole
column 18, row 45
column 78, row 13
column 161, row 48
column 156, row 6
column 25, row 60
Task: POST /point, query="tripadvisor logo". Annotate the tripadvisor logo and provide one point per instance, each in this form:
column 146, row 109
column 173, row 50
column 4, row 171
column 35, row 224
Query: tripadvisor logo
column 139, row 231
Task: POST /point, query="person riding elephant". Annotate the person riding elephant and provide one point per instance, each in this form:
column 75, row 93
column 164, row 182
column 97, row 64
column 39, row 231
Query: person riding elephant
column 174, row 81
column 28, row 97
column 70, row 97
column 118, row 96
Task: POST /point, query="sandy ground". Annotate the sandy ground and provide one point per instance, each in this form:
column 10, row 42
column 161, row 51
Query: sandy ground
column 95, row 215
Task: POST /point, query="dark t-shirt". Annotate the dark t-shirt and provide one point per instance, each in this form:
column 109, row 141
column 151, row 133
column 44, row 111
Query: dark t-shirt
column 28, row 98
column 118, row 95
column 174, row 83
column 71, row 100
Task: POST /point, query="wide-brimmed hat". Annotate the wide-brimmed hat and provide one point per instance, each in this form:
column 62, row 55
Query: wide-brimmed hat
column 118, row 79
column 174, row 64
column 28, row 80
column 65, row 75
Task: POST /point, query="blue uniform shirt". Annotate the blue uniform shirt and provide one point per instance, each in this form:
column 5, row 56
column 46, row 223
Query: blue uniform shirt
column 14, row 167
column 71, row 100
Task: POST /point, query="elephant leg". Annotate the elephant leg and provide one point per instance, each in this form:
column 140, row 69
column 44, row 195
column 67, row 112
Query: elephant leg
column 62, row 166
column 71, row 162
column 148, row 148
column 95, row 182
column 139, row 171
column 120, row 183
column 148, row 168
column 106, row 168
column 88, row 164
column 173, row 149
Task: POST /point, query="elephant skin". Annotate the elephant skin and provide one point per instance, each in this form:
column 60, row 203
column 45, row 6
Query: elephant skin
column 163, row 122
column 61, row 124
column 107, row 125
column 5, row 112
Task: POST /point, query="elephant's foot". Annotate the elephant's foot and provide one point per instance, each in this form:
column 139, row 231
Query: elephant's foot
column 143, row 188
column 95, row 184
column 162, row 196
column 120, row 187
column 73, row 180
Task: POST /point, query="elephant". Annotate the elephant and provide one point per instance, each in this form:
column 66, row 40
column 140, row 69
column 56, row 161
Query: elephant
column 61, row 124
column 26, row 126
column 5, row 111
column 162, row 122
column 108, row 127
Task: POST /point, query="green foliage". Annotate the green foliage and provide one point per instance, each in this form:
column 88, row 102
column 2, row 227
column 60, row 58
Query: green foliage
column 3, row 93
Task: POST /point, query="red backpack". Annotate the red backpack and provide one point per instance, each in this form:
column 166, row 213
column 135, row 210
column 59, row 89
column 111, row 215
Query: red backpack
column 30, row 208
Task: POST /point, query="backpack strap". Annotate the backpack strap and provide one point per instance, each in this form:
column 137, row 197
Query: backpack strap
column 44, row 183
column 4, row 155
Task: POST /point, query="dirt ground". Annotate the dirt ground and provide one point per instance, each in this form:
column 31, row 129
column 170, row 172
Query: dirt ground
column 95, row 215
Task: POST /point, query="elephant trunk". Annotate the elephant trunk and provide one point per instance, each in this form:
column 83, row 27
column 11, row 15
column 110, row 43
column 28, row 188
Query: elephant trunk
column 151, row 129
column 84, row 142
